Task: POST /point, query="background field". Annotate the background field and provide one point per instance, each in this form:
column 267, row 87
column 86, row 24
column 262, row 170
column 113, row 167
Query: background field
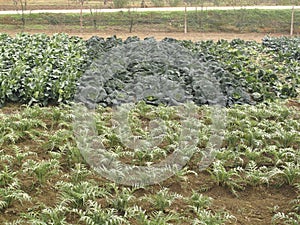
column 59, row 4
column 201, row 22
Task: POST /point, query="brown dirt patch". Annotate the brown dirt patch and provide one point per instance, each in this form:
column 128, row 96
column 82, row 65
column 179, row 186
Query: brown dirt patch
column 294, row 104
column 253, row 205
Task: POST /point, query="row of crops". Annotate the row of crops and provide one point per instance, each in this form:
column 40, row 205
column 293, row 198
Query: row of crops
column 45, row 178
column 48, row 70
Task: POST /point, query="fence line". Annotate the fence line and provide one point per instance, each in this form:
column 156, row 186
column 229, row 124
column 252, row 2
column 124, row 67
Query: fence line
column 169, row 9
column 200, row 19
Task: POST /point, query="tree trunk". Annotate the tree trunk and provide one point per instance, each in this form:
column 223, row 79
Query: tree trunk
column 292, row 22
column 23, row 8
column 81, row 19
column 185, row 19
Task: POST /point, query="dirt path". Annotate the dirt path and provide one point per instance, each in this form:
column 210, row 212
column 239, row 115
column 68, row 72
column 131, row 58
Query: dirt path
column 193, row 36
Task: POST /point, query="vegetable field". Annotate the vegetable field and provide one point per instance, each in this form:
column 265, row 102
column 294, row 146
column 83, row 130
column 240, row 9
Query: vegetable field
column 254, row 177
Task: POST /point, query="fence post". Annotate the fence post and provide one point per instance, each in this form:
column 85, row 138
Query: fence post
column 292, row 22
column 131, row 19
column 185, row 19
column 81, row 18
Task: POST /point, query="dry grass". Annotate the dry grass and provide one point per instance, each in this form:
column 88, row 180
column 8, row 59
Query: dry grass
column 45, row 2
column 53, row 4
column 67, row 3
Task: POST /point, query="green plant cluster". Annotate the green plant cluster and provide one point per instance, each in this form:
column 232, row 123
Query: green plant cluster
column 261, row 70
column 39, row 68
column 44, row 70
column 284, row 47
column 39, row 157
column 158, row 72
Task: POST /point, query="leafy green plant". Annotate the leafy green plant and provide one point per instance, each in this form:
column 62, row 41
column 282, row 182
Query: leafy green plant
column 122, row 199
column 11, row 136
column 287, row 139
column 291, row 218
column 95, row 214
column 20, row 155
column 73, row 154
column 210, row 218
column 289, row 173
column 229, row 178
column 55, row 216
column 6, row 159
column 42, row 170
column 46, row 69
column 12, row 193
column 199, row 201
column 7, row 176
column 256, row 175
column 182, row 174
column 16, row 127
column 79, row 173
column 158, row 217
column 42, row 69
column 162, row 199
column 58, row 141
column 77, row 195
column 15, row 222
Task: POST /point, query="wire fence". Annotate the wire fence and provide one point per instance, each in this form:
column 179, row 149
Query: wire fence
column 197, row 20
